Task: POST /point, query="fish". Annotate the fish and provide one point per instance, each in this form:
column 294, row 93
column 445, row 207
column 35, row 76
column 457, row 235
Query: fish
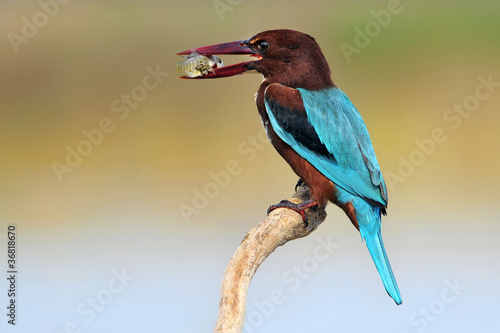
column 195, row 64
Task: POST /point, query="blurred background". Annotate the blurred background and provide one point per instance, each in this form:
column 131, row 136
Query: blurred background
column 130, row 189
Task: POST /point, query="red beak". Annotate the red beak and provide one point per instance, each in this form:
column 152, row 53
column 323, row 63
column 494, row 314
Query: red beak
column 238, row 47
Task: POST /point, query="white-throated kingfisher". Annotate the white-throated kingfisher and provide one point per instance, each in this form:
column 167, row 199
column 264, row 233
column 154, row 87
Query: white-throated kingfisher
column 314, row 126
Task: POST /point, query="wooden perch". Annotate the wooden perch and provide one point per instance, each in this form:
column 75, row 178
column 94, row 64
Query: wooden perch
column 282, row 225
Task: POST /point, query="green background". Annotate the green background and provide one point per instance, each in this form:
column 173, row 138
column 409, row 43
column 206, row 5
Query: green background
column 120, row 207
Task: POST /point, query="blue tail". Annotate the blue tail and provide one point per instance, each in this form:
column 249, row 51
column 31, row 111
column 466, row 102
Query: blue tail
column 369, row 227
column 376, row 247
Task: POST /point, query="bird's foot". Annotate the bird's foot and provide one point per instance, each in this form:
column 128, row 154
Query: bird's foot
column 299, row 184
column 299, row 208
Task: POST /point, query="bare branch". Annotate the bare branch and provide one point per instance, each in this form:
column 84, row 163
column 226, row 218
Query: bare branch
column 281, row 226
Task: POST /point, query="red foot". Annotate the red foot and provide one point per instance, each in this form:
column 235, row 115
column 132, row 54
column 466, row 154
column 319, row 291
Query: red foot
column 299, row 208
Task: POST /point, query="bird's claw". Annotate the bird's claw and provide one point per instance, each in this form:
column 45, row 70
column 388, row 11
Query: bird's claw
column 299, row 184
column 299, row 208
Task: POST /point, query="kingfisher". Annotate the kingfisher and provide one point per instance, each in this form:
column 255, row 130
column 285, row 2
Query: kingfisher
column 317, row 130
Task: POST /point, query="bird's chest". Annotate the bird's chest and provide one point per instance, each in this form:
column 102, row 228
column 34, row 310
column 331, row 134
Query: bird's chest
column 264, row 117
column 269, row 130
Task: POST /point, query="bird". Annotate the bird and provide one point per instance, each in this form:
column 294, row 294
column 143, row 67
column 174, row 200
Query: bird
column 317, row 130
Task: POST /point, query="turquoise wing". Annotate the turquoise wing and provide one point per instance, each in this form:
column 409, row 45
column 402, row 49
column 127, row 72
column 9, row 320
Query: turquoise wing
column 338, row 130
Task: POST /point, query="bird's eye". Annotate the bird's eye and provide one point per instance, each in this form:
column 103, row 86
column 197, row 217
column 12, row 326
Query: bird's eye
column 263, row 46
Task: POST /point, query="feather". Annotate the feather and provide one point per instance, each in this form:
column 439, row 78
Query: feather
column 369, row 221
column 332, row 137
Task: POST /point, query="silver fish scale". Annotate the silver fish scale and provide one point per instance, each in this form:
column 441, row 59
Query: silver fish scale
column 196, row 65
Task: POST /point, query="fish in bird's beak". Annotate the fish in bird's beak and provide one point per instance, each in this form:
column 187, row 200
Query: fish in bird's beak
column 196, row 64
column 238, row 47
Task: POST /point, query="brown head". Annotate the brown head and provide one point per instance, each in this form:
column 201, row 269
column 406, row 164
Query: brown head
column 284, row 56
